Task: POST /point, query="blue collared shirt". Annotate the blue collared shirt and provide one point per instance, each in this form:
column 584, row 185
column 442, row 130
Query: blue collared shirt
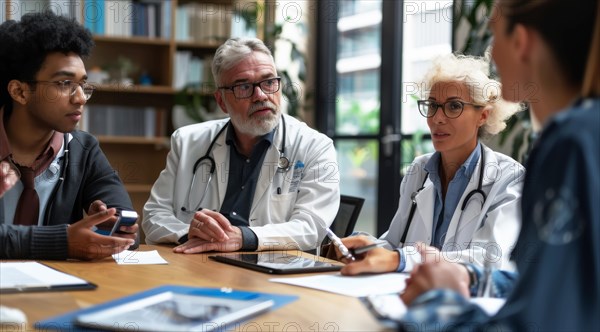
column 444, row 209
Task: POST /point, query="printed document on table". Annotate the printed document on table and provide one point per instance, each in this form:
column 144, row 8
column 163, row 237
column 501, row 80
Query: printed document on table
column 390, row 306
column 357, row 286
column 128, row 257
column 33, row 276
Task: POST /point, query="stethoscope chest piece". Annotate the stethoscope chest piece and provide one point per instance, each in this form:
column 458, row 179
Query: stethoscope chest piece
column 283, row 164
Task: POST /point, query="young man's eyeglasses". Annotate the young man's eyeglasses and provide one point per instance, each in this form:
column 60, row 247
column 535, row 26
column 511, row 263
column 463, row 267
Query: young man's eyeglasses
column 246, row 90
column 71, row 87
column 452, row 108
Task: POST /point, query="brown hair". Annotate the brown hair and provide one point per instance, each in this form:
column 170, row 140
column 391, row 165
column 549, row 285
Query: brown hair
column 591, row 83
column 566, row 26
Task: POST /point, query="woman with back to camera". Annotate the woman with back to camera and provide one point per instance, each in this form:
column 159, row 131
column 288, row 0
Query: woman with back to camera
column 464, row 198
column 543, row 44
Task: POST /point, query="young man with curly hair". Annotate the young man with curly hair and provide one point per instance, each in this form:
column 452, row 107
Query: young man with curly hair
column 63, row 172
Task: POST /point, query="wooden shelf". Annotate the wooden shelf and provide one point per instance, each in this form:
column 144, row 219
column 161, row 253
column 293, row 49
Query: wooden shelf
column 138, row 188
column 140, row 159
column 196, row 45
column 134, row 140
column 132, row 40
column 151, row 89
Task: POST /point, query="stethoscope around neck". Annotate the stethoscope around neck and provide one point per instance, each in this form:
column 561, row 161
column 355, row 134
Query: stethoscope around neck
column 283, row 165
column 470, row 195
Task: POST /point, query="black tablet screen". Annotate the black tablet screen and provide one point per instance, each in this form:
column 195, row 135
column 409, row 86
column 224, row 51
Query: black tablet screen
column 277, row 262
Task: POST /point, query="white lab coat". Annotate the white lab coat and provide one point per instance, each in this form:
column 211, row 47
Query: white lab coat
column 473, row 234
column 295, row 216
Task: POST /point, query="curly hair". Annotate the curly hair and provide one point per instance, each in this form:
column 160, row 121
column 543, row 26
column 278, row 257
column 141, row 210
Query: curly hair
column 26, row 44
column 474, row 72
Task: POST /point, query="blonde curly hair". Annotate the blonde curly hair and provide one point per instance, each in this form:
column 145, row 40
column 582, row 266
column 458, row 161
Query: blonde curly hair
column 474, row 72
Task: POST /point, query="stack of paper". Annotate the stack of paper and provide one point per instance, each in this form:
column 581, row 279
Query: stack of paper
column 357, row 286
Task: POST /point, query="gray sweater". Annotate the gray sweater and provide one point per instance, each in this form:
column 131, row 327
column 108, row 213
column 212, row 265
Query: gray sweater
column 89, row 177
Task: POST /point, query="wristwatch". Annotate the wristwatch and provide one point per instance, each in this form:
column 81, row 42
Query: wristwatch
column 473, row 281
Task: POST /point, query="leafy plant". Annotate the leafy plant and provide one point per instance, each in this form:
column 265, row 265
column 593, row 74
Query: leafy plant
column 352, row 118
column 190, row 97
column 273, row 36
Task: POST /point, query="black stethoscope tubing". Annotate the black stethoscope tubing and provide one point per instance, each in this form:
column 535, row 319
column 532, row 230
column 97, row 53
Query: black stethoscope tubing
column 283, row 165
column 413, row 196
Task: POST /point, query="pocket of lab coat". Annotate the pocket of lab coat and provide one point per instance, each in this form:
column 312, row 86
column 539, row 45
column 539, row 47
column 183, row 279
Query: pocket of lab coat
column 282, row 206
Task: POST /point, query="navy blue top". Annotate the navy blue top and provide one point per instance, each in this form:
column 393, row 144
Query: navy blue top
column 558, row 250
column 243, row 176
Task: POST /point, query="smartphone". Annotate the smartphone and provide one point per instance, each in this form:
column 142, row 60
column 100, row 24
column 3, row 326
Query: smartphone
column 124, row 218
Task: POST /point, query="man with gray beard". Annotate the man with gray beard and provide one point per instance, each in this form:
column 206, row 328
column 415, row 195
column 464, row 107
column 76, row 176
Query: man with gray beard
column 260, row 180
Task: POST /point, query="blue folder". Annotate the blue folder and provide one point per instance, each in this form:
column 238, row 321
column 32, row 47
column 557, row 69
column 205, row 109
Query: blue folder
column 65, row 322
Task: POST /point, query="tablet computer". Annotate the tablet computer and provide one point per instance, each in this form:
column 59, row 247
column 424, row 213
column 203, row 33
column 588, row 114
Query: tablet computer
column 170, row 311
column 276, row 262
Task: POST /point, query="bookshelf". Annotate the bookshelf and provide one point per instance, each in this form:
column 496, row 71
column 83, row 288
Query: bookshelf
column 146, row 51
column 158, row 54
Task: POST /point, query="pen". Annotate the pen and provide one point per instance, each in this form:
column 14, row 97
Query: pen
column 362, row 250
column 341, row 247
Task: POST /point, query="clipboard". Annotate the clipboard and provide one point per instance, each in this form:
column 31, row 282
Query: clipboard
column 68, row 321
column 18, row 277
column 276, row 263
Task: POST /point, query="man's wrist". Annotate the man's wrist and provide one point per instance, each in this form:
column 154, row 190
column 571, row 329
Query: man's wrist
column 471, row 275
column 183, row 239
column 249, row 239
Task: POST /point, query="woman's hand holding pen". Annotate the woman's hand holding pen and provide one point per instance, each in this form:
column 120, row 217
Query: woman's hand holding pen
column 210, row 231
column 376, row 260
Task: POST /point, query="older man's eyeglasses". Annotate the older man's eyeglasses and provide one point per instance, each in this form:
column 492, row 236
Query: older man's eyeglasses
column 246, row 90
column 452, row 108
column 71, row 87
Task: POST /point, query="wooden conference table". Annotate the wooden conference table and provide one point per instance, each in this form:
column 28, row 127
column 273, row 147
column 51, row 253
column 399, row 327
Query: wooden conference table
column 313, row 311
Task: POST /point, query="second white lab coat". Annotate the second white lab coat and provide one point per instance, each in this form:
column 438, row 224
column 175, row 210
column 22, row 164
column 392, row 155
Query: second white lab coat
column 290, row 210
column 477, row 232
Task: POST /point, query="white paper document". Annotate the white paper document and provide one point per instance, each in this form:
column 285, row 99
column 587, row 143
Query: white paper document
column 387, row 306
column 357, row 286
column 490, row 305
column 390, row 306
column 128, row 257
column 15, row 276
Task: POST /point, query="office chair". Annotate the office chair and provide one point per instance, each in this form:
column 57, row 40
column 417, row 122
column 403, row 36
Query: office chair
column 345, row 220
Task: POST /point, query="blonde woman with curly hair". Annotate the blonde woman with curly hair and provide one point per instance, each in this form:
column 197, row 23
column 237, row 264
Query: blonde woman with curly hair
column 464, row 197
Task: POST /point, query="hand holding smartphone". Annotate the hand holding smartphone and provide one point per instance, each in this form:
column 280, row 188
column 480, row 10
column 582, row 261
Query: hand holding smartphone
column 124, row 218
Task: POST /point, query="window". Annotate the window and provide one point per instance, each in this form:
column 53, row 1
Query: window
column 372, row 104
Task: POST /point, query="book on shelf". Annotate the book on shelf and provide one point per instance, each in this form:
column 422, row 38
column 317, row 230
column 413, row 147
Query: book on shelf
column 117, row 120
column 203, row 22
column 15, row 9
column 125, row 18
column 192, row 70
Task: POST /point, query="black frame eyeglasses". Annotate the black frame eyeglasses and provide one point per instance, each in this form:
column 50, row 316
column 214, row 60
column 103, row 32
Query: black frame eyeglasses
column 87, row 88
column 452, row 108
column 246, row 90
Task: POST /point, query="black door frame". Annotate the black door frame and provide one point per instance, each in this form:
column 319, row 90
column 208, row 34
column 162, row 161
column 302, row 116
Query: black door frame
column 390, row 154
